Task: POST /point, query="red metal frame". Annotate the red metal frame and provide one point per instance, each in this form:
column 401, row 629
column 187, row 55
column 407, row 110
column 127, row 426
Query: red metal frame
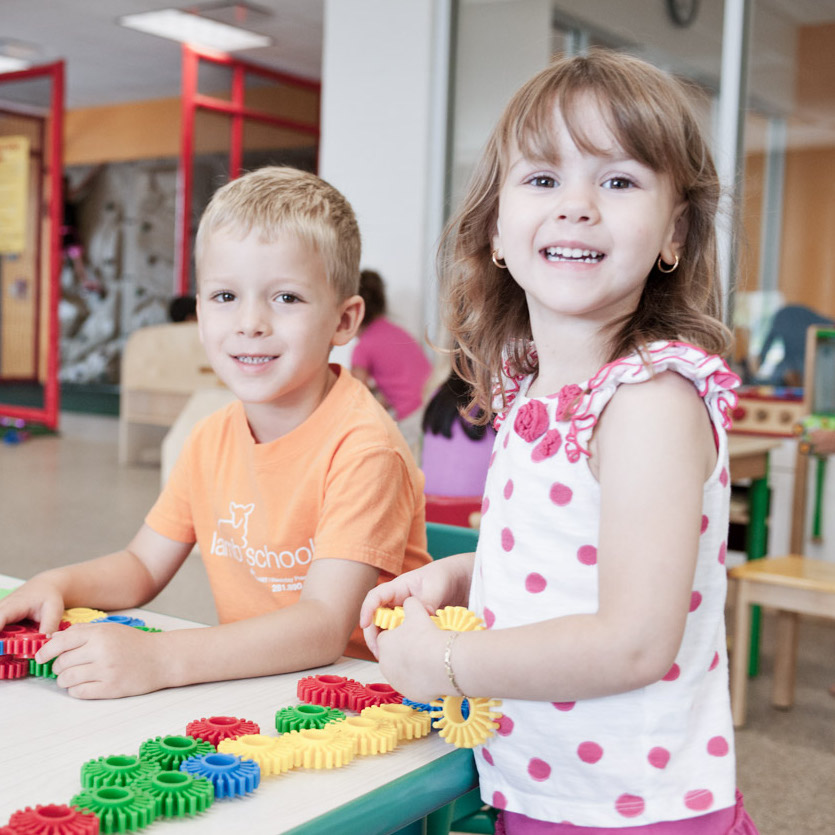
column 49, row 413
column 239, row 113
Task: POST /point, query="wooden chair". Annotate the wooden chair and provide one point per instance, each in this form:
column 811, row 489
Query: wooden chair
column 793, row 584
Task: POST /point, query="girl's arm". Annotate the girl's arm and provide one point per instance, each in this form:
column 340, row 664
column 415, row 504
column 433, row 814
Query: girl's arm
column 655, row 450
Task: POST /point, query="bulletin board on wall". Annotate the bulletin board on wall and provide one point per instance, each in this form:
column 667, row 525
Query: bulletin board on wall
column 31, row 119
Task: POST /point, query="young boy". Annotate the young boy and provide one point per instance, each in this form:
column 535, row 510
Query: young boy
column 301, row 494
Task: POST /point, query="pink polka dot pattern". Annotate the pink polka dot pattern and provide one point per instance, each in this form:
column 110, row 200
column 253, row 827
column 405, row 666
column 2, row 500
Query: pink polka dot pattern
column 564, row 706
column 548, row 446
column 705, row 523
column 715, row 662
column 488, row 757
column 698, row 800
column 493, row 458
column 673, row 673
column 587, row 554
column 531, row 421
column 629, row 805
column 507, row 539
column 723, row 477
column 589, row 752
column 695, row 601
column 499, row 800
column 538, row 769
column 485, row 505
column 723, row 553
column 489, row 617
column 535, row 583
column 658, row 757
column 508, row 488
column 505, row 726
column 560, row 494
column 505, row 441
column 718, row 746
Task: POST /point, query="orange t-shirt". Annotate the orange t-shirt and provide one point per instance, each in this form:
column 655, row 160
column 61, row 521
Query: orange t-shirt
column 342, row 485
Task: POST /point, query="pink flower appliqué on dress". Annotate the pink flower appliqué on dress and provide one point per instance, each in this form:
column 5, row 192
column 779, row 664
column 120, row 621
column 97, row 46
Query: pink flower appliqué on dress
column 531, row 421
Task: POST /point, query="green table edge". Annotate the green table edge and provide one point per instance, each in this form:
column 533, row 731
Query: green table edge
column 402, row 801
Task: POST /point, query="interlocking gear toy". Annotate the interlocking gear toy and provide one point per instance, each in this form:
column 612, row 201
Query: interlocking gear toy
column 464, row 722
column 22, row 639
column 52, row 819
column 125, row 620
column 81, row 614
column 410, row 723
column 272, row 756
column 118, row 808
column 328, row 691
column 116, row 770
column 169, row 751
column 178, row 794
column 229, row 774
column 215, row 728
column 11, row 666
column 370, row 736
column 320, row 747
column 302, row 717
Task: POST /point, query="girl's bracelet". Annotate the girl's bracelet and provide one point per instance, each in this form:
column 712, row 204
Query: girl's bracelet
column 448, row 663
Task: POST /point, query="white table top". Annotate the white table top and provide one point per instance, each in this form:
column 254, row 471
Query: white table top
column 46, row 736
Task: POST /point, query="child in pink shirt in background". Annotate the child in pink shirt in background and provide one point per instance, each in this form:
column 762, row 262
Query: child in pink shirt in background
column 388, row 359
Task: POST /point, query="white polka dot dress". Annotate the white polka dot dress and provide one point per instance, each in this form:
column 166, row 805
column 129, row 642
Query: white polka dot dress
column 664, row 752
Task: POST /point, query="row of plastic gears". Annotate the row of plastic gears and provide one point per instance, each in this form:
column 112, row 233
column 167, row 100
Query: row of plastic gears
column 304, row 717
column 370, row 736
column 345, row 693
column 215, row 728
column 269, row 752
column 52, row 818
column 230, row 775
column 41, row 670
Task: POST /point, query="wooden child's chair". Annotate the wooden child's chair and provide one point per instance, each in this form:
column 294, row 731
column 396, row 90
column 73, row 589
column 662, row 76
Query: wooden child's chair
column 793, row 584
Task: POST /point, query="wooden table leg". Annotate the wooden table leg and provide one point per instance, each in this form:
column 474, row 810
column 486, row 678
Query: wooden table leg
column 785, row 660
column 739, row 654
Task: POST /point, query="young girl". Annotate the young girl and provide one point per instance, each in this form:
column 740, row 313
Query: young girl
column 581, row 274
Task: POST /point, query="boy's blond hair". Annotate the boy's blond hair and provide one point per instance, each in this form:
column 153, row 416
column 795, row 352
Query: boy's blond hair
column 278, row 200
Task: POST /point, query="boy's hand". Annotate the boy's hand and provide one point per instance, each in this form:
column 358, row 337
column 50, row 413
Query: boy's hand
column 411, row 656
column 105, row 660
column 39, row 600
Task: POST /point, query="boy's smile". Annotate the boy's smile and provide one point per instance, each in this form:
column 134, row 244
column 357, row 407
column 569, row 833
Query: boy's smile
column 268, row 317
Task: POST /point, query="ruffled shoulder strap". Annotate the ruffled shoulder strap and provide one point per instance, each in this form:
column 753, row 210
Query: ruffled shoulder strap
column 507, row 387
column 709, row 373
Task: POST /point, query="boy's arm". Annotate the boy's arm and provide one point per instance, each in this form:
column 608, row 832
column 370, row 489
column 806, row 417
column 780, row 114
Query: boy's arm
column 120, row 580
column 109, row 661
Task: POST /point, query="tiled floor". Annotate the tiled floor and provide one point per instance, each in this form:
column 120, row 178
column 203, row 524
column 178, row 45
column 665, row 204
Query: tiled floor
column 65, row 498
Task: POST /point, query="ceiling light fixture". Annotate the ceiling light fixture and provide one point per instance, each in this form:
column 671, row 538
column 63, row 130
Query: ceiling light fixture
column 188, row 27
column 8, row 64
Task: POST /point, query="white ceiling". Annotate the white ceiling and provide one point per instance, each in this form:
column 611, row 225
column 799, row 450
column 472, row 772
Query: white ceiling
column 106, row 63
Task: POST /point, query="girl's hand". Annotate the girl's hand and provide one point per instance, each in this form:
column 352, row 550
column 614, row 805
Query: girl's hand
column 106, row 660
column 39, row 600
column 412, row 655
column 441, row 583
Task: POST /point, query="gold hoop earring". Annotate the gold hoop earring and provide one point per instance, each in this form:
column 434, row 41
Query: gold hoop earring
column 499, row 262
column 662, row 268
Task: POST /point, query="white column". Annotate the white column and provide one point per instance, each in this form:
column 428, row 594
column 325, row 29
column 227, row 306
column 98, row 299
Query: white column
column 384, row 82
